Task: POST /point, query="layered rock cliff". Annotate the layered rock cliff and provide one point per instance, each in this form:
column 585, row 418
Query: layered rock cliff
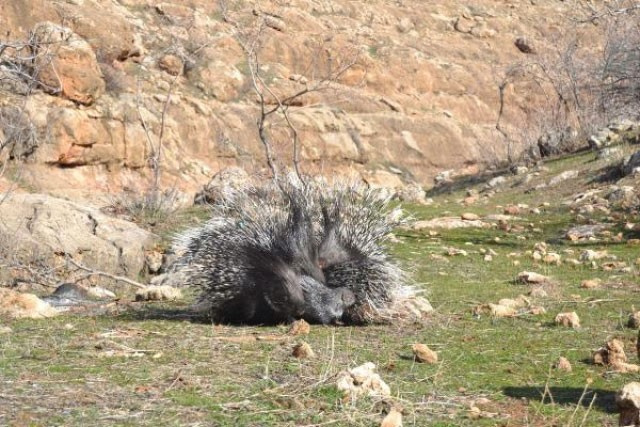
column 421, row 94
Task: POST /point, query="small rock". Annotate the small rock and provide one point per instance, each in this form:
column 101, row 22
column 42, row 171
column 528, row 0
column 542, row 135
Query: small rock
column 582, row 232
column 538, row 292
column 5, row 330
column 511, row 210
column 625, row 368
column 443, row 177
column 612, row 353
column 529, row 277
column 393, row 419
column 16, row 305
column 303, row 351
column 552, row 258
column 497, row 181
column 634, row 320
column 362, row 380
column 628, row 402
column 98, row 292
column 299, row 78
column 603, row 138
column 520, row 170
column 463, row 25
column 590, row 283
column 537, row 310
column 171, row 64
column 495, row 310
column 563, row 364
column 275, row 23
column 153, row 261
column 470, row 200
column 468, row 216
column 159, row 293
column 590, row 255
column 520, row 301
column 566, row 175
column 455, row 251
column 524, row 45
column 540, row 247
column 424, row 354
column 300, row 327
column 609, row 153
column 569, row 320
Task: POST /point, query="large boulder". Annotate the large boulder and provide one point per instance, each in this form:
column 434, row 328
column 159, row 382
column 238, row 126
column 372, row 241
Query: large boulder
column 55, row 228
column 66, row 64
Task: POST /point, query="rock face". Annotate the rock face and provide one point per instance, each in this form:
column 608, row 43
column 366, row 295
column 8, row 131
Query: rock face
column 55, row 228
column 395, row 116
column 66, row 64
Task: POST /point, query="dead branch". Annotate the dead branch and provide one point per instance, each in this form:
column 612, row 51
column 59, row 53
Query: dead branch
column 251, row 39
column 93, row 272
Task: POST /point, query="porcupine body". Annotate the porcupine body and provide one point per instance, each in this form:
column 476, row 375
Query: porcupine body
column 306, row 253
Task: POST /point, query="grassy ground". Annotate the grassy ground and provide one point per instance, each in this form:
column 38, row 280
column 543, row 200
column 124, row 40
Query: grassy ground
column 153, row 365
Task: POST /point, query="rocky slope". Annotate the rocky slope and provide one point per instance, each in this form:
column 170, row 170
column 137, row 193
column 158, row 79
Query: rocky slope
column 420, row 96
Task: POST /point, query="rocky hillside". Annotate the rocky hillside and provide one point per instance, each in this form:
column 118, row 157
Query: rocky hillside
column 419, row 94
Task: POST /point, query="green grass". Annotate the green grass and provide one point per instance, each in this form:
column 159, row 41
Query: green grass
column 57, row 372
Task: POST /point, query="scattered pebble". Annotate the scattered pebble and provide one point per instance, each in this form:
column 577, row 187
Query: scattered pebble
column 98, row 292
column 455, row 251
column 300, row 327
column 362, row 380
column 552, row 258
column 590, row 283
column 537, row 310
column 590, row 255
column 634, row 320
column 159, row 293
column 538, row 292
column 563, row 364
column 518, row 302
column 569, row 320
column 303, row 351
column 393, row 419
column 529, row 277
column 424, row 354
column 612, row 354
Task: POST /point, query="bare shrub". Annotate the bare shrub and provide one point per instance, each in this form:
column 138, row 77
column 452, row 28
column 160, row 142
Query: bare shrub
column 148, row 207
column 19, row 136
column 581, row 86
column 327, row 64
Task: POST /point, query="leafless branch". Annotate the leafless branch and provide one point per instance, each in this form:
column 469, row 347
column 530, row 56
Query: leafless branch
column 251, row 37
column 93, row 272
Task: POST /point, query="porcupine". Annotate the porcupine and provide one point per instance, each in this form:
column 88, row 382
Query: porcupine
column 305, row 253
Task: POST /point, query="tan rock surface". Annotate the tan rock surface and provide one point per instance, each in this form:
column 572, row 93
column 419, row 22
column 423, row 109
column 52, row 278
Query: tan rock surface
column 67, row 64
column 55, row 228
column 420, row 98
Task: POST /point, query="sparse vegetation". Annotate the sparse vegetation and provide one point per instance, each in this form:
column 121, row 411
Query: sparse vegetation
column 583, row 86
column 155, row 365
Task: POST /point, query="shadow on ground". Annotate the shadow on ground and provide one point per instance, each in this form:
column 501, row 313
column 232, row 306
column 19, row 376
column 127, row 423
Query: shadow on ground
column 604, row 399
column 163, row 313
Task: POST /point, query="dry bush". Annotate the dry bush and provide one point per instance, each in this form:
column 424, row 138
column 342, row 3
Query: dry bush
column 150, row 206
column 582, row 85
